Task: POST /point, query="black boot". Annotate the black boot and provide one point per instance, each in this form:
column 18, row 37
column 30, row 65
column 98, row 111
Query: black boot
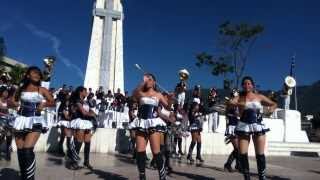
column 231, row 158
column 8, row 148
column 141, row 163
column 237, row 167
column 78, row 145
column 75, row 154
column 75, row 147
column 167, row 161
column 30, row 162
column 244, row 164
column 153, row 164
column 189, row 157
column 199, row 158
column 60, row 146
column 180, row 146
column 261, row 165
column 69, row 149
column 87, row 155
column 22, row 162
column 160, row 166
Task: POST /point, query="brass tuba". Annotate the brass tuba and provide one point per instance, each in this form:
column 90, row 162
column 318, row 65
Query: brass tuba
column 289, row 84
column 48, row 67
column 183, row 75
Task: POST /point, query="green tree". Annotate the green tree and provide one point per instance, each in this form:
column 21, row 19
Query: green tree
column 235, row 42
column 220, row 66
column 17, row 72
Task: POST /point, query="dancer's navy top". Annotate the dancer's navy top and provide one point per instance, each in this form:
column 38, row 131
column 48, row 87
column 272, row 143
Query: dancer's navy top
column 148, row 107
column 252, row 112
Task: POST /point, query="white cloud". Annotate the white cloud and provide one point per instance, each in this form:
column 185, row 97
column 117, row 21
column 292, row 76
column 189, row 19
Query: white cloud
column 56, row 43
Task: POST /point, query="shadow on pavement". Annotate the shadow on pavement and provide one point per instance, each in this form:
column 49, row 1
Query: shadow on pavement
column 125, row 158
column 314, row 171
column 192, row 176
column 56, row 161
column 106, row 175
column 272, row 177
column 7, row 173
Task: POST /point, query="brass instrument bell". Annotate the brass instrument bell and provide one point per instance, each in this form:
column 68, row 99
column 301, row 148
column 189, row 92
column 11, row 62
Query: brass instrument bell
column 183, row 75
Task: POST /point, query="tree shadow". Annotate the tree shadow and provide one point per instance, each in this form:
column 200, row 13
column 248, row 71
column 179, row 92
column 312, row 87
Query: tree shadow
column 106, row 175
column 192, row 176
column 7, row 173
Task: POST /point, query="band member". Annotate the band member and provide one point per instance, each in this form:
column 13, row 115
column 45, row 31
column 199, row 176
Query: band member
column 6, row 120
column 133, row 114
column 149, row 125
column 250, row 106
column 232, row 115
column 29, row 123
column 81, row 123
column 179, row 112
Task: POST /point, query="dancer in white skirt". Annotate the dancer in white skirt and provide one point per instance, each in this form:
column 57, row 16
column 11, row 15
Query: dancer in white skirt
column 195, row 128
column 81, row 123
column 149, row 125
column 29, row 123
column 65, row 125
column 232, row 115
column 250, row 106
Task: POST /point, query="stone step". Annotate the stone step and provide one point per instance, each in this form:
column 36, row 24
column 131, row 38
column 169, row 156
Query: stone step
column 292, row 149
column 286, row 149
column 294, row 145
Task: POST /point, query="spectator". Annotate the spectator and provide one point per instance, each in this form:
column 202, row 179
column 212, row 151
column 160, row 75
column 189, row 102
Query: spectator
column 119, row 101
column 100, row 93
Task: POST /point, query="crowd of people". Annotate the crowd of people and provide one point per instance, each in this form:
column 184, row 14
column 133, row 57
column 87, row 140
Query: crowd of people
column 161, row 118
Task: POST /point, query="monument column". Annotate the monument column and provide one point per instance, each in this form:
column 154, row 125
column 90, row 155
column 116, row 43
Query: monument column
column 105, row 60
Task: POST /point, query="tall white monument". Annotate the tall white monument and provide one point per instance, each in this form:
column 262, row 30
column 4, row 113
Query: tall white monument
column 105, row 60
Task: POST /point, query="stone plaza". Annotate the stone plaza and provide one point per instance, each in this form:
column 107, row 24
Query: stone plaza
column 119, row 167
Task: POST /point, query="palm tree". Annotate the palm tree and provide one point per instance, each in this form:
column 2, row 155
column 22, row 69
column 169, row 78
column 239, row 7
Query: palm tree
column 17, row 72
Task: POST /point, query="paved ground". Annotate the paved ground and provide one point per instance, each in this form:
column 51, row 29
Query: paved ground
column 118, row 167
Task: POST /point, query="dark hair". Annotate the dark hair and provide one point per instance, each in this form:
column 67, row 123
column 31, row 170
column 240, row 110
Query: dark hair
column 3, row 89
column 249, row 78
column 75, row 95
column 246, row 78
column 4, row 79
column 192, row 106
column 156, row 88
column 63, row 105
column 151, row 75
column 26, row 80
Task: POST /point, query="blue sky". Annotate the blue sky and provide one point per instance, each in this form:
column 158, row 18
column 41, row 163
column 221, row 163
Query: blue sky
column 164, row 36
